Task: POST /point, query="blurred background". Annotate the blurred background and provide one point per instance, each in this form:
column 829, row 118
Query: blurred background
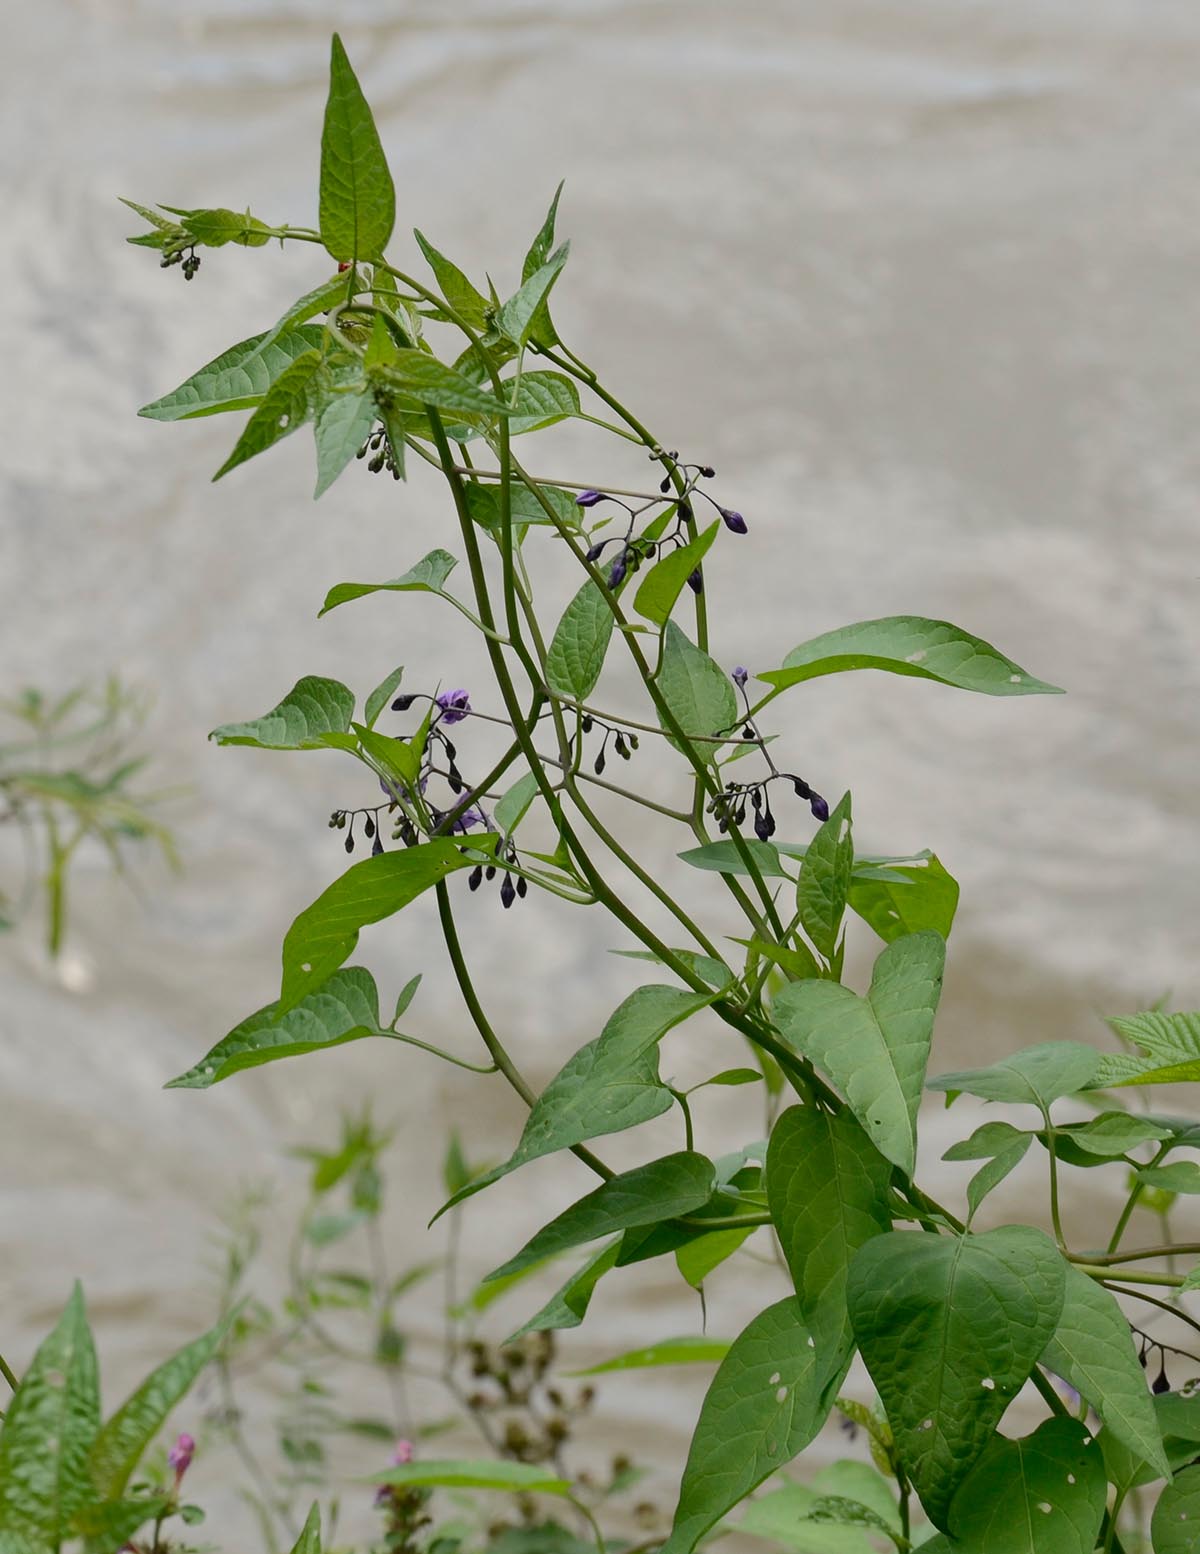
column 919, row 280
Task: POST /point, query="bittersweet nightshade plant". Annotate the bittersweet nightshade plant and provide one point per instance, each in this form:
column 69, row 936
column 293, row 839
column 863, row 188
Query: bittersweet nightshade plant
column 951, row 1321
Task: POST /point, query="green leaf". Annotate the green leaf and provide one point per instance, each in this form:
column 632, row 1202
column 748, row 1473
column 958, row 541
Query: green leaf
column 542, row 399
column 1044, row 1494
column 428, row 576
column 398, row 759
column 715, row 972
column 425, row 378
column 357, row 198
column 309, row 1541
column 663, row 1189
column 779, row 1518
column 825, row 880
column 698, row 692
column 1182, row 1176
column 909, row 645
column 950, row 1329
column 668, row 1351
column 108, row 1526
column 340, row 429
column 1035, row 1075
column 580, row 642
column 875, row 1048
column 119, row 1446
column 987, row 1141
column 1177, row 1515
column 1170, row 1042
column 568, row 1306
column 311, row 711
column 457, row 290
column 483, row 501
column 286, row 406
column 49, row 1426
column 724, row 858
column 516, row 319
column 1110, row 1135
column 827, row 1187
column 511, row 809
column 762, row 1408
column 541, row 330
column 697, row 1258
column 321, row 299
column 216, row 227
column 990, row 1175
column 325, row 933
column 665, row 581
column 1093, row 1350
column 235, row 380
column 487, row 1473
column 917, row 896
column 345, row 1008
column 381, row 695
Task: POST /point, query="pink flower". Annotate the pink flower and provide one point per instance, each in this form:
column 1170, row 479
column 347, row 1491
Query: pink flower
column 180, row 1455
column 405, row 1452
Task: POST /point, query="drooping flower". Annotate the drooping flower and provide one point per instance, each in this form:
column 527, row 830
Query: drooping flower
column 455, row 705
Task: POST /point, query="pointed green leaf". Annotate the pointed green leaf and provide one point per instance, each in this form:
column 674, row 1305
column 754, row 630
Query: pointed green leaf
column 666, row 580
column 1182, row 1176
column 515, row 320
column 321, row 299
column 309, row 1541
column 541, row 399
column 676, row 1184
column 724, row 858
column 108, row 1526
column 697, row 1258
column 825, row 880
column 580, row 642
column 357, row 198
column 1111, row 1134
column 1170, row 1044
column 1036, row 1075
column 1044, row 1494
column 987, row 1141
column 399, row 760
column 218, row 226
column 457, row 290
column 381, row 695
column 992, row 1173
column 909, row 645
column 827, row 1187
column 668, row 1351
column 568, row 1306
column 916, row 896
column 325, row 933
column 875, row 1048
column 310, row 712
column 422, row 376
column 285, row 407
column 1093, row 1350
column 483, row 501
column 489, row 1473
column 49, row 1427
column 122, row 1440
column 950, row 1328
column 235, row 380
column 698, row 692
column 779, row 1518
column 345, row 1008
column 428, row 576
column 340, row 429
column 541, row 330
column 1177, row 1515
column 512, row 808
column 762, row 1408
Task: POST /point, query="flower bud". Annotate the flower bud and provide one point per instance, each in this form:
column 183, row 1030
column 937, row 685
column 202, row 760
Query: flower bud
column 595, row 551
column 405, row 1452
column 403, row 703
column 819, row 808
column 617, row 574
column 696, row 581
column 733, row 521
column 180, row 1456
column 508, row 892
column 475, row 878
column 740, row 675
column 588, row 498
column 708, row 471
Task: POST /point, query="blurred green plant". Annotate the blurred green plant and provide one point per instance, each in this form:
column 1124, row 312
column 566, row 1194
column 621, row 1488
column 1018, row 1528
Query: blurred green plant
column 68, row 769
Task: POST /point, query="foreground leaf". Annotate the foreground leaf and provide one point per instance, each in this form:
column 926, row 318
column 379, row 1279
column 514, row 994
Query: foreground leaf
column 909, row 645
column 309, row 1541
column 1177, row 1515
column 235, row 380
column 579, row 645
column 920, row 895
column 1036, row 1075
column 950, row 1328
column 457, row 290
column 310, row 712
column 340, row 429
column 1170, row 1044
column 697, row 691
column 357, row 197
column 568, row 1306
column 428, row 576
column 1044, row 1494
column 874, row 1049
column 825, row 880
column 284, row 408
column 541, row 329
column 108, row 1526
column 516, row 319
column 666, row 580
column 762, row 1408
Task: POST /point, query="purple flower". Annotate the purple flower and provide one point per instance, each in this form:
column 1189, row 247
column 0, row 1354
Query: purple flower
column 405, row 1452
column 617, row 573
column 733, row 521
column 740, row 675
column 180, row 1455
column 468, row 818
column 588, row 498
column 595, row 551
column 455, row 705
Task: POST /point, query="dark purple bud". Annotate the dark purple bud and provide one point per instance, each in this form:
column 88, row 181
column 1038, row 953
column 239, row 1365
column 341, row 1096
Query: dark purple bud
column 369, row 827
column 475, row 878
column 376, row 846
column 588, row 498
column 740, row 675
column 598, row 763
column 734, row 521
column 403, row 703
column 762, row 826
column 696, row 581
column 633, row 741
column 350, row 843
column 455, row 705
column 522, row 886
column 1160, row 1384
column 707, row 471
column 617, row 575
column 508, row 892
column 586, row 723
column 490, row 872
column 819, row 807
column 595, row 551
column 803, row 791
column 665, row 483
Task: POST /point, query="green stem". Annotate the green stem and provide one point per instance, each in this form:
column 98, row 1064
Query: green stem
column 7, row 1372
column 413, row 1041
column 1131, row 1202
column 1127, row 1275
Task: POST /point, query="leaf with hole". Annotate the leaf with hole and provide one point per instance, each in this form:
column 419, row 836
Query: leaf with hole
column 1044, row 1494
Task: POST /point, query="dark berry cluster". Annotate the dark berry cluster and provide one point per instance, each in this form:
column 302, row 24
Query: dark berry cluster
column 383, row 453
column 511, row 885
column 729, row 806
column 187, row 259
column 624, row 741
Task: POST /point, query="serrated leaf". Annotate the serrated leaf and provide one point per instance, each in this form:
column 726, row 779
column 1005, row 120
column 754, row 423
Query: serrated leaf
column 825, row 880
column 457, row 290
column 909, row 645
column 698, row 692
column 541, row 330
column 1044, row 1494
column 827, row 1188
column 340, row 429
column 283, row 409
column 357, row 197
column 515, row 320
column 724, row 858
column 422, row 376
column 1177, row 1515
column 345, row 1008
column 662, row 1190
column 311, row 711
column 381, row 695
column 123, row 1438
column 1093, row 1351
column 486, row 1473
column 668, row 1351
column 918, row 895
column 576, row 655
column 428, row 576
column 235, row 380
column 762, row 1408
column 875, row 1048
column 49, row 1426
column 324, row 934
column 666, row 580
column 1036, row 1075
column 1170, row 1044
column 950, row 1328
